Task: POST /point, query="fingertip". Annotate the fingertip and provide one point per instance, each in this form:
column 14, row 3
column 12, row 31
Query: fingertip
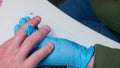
column 22, row 21
column 47, row 27
column 38, row 18
column 27, row 18
column 34, row 21
column 50, row 46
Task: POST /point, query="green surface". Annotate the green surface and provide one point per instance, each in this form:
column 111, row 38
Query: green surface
column 106, row 57
column 108, row 12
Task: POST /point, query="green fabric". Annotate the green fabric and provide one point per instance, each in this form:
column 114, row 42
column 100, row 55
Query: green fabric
column 106, row 57
column 108, row 12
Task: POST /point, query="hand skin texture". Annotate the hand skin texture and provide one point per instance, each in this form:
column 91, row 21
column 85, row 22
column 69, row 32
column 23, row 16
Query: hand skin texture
column 14, row 52
column 65, row 52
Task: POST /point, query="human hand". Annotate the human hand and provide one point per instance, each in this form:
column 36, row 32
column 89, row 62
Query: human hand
column 65, row 52
column 14, row 52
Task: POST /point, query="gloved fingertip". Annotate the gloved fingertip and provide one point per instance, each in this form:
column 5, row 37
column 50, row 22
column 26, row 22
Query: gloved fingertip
column 22, row 21
column 27, row 18
column 29, row 30
column 16, row 28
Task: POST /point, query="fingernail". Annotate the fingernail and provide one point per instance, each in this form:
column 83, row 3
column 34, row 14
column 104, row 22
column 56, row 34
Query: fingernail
column 50, row 45
column 38, row 18
column 47, row 27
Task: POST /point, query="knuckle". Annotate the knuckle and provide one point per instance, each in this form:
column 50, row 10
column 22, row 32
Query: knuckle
column 29, row 40
column 33, row 22
column 41, row 35
column 17, row 36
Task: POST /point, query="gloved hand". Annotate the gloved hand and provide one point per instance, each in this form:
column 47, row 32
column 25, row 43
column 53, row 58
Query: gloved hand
column 67, row 53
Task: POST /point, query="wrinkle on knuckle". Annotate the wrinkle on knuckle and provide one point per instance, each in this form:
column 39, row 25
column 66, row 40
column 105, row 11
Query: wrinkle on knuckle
column 29, row 40
column 33, row 22
column 33, row 39
column 41, row 35
column 16, row 37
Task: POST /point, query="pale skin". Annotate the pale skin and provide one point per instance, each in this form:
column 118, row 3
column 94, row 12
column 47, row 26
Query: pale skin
column 90, row 64
column 14, row 52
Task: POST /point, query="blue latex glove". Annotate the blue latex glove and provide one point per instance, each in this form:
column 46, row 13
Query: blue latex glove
column 22, row 21
column 67, row 53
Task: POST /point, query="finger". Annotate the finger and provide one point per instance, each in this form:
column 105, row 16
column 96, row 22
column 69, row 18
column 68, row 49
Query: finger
column 20, row 35
column 32, row 40
column 39, row 55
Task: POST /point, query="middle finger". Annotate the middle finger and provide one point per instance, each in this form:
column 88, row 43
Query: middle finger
column 32, row 40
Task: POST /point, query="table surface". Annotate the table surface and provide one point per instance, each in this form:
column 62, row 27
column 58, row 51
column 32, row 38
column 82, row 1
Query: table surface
column 61, row 24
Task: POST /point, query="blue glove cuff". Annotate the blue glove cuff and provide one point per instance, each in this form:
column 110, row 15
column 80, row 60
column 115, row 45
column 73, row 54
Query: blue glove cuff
column 88, row 57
